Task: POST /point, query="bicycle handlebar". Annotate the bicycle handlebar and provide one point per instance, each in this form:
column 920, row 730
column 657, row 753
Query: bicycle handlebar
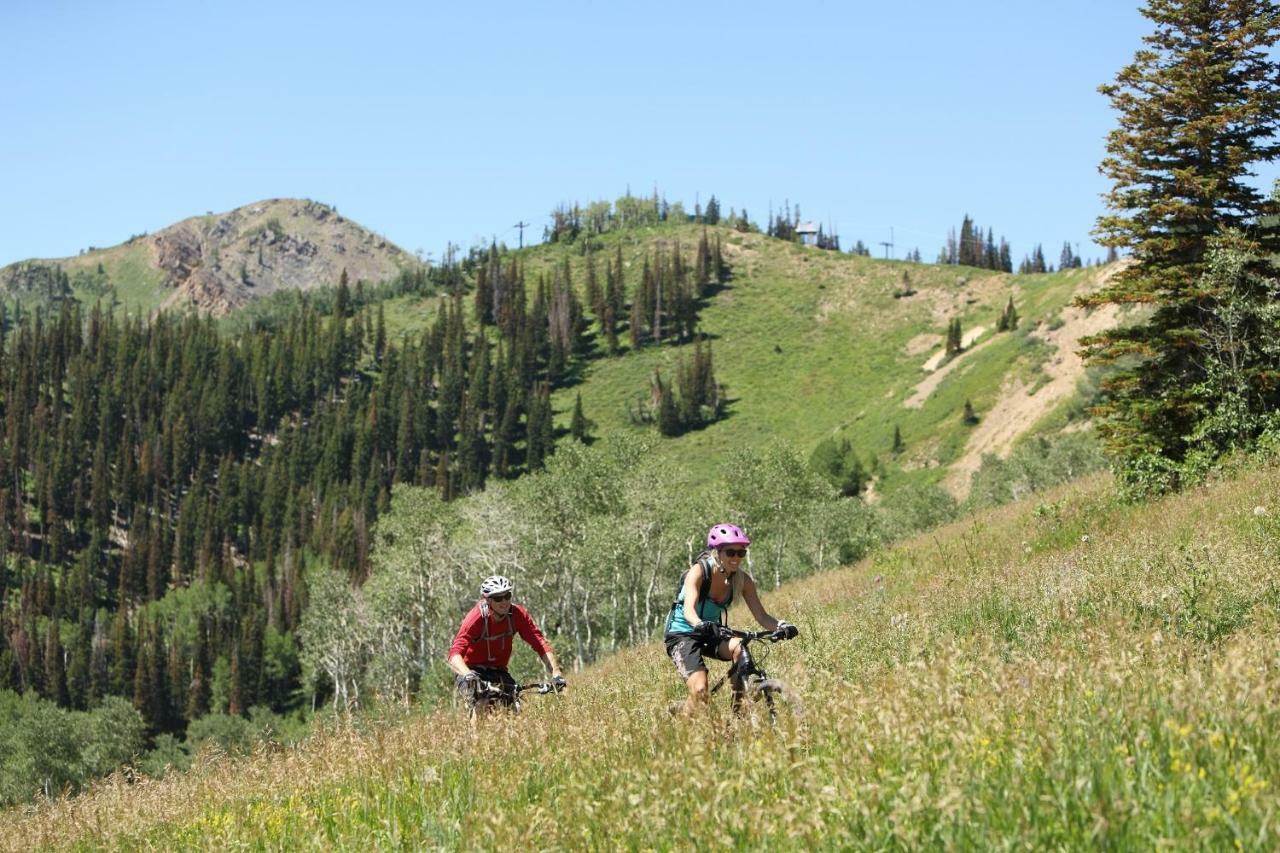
column 772, row 636
column 542, row 687
column 495, row 688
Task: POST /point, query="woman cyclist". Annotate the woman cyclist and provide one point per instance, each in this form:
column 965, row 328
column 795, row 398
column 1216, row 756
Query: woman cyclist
column 697, row 627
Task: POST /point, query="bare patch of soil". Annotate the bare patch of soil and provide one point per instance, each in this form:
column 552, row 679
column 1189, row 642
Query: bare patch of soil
column 945, row 303
column 931, row 382
column 1019, row 407
column 921, row 344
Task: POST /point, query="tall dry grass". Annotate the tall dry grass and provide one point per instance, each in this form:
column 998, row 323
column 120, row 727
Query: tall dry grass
column 1070, row 672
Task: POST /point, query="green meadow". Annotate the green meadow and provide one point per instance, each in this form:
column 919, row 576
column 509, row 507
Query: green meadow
column 1065, row 672
column 811, row 344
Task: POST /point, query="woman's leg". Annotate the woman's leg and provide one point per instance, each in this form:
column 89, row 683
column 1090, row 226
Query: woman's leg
column 733, row 650
column 698, row 694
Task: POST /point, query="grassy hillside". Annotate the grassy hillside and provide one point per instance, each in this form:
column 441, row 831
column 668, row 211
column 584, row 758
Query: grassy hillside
column 123, row 276
column 1064, row 673
column 137, row 284
column 813, row 344
column 809, row 344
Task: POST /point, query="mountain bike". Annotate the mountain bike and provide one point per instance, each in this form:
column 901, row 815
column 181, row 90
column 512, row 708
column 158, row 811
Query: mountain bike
column 491, row 695
column 751, row 681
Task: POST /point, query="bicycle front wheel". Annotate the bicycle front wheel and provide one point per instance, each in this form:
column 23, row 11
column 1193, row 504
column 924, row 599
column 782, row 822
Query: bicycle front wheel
column 783, row 705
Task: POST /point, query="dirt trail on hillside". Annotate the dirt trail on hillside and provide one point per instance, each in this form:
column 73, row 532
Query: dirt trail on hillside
column 927, row 386
column 1018, row 408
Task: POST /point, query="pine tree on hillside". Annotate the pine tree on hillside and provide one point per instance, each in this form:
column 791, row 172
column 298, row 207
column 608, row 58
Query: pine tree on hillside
column 955, row 338
column 483, row 297
column 1069, row 259
column 702, row 261
column 668, row 412
column 541, row 436
column 1199, row 108
column 1008, row 317
column 595, row 293
column 967, row 254
column 579, row 426
column 1033, row 263
column 658, row 288
column 505, row 437
column 711, row 215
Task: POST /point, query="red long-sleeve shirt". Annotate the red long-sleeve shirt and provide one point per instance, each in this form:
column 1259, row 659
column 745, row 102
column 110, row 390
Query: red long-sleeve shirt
column 476, row 650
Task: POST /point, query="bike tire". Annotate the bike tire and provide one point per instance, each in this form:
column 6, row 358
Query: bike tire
column 783, row 705
column 489, row 704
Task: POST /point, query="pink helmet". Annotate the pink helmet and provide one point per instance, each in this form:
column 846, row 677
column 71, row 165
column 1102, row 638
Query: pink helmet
column 726, row 534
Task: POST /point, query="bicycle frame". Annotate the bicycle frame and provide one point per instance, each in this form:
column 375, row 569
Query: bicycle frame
column 750, row 677
column 490, row 694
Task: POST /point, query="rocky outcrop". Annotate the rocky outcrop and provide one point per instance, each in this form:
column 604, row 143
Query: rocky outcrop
column 179, row 252
column 44, row 281
column 220, row 262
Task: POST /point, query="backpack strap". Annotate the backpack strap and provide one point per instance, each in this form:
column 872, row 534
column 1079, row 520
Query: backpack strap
column 704, row 589
column 484, row 628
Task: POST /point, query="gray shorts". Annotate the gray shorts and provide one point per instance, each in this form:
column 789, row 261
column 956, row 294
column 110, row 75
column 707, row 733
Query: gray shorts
column 686, row 652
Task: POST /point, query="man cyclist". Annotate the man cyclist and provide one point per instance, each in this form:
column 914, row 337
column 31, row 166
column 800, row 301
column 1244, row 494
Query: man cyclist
column 482, row 647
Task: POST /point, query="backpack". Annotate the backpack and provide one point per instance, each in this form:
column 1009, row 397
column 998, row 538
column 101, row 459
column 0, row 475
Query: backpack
column 704, row 589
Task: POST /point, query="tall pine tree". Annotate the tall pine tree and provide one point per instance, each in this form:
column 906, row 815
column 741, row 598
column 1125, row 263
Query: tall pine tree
column 1198, row 107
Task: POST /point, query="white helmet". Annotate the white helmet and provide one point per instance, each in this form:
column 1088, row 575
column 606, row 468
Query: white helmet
column 495, row 585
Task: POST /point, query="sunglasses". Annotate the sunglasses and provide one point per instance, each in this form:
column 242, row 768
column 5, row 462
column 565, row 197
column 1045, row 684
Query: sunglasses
column 735, row 552
column 502, row 596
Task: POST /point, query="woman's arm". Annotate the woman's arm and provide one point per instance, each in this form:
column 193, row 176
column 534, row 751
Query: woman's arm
column 752, row 598
column 692, row 585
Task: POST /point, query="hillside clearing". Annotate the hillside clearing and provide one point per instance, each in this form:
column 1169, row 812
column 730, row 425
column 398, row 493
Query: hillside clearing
column 1020, row 406
column 1068, row 673
column 811, row 344
column 930, row 383
column 965, row 342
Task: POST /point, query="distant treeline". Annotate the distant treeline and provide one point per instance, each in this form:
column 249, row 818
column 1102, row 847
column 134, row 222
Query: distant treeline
column 570, row 221
column 165, row 482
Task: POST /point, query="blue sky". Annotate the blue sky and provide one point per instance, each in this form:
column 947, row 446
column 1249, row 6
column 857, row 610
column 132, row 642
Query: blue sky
column 436, row 122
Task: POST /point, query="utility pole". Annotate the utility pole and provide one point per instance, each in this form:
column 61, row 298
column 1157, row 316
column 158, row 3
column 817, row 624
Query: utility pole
column 888, row 245
column 521, row 225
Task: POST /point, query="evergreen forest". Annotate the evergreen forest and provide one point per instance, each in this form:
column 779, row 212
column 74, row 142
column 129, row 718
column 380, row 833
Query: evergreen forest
column 165, row 482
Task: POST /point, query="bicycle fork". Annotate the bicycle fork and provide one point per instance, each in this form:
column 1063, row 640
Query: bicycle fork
column 739, row 676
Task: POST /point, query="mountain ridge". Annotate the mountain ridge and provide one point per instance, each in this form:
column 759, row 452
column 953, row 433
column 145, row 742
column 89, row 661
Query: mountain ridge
column 218, row 263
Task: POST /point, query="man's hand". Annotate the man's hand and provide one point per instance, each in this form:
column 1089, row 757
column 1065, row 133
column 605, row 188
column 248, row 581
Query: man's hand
column 558, row 682
column 470, row 681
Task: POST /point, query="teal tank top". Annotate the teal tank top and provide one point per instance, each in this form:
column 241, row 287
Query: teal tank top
column 708, row 609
